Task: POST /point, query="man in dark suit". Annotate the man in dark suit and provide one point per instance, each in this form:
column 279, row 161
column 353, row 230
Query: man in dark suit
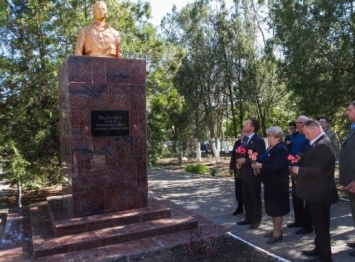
column 301, row 210
column 315, row 184
column 347, row 165
column 292, row 132
column 238, row 188
column 251, row 182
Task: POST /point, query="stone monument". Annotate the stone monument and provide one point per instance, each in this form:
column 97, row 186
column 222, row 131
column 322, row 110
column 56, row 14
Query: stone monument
column 103, row 133
column 103, row 122
column 103, row 153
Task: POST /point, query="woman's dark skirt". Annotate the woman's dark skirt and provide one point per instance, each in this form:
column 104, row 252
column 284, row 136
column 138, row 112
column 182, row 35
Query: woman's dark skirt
column 276, row 197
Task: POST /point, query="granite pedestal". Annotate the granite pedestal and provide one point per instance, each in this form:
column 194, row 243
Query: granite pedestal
column 104, row 163
column 103, row 134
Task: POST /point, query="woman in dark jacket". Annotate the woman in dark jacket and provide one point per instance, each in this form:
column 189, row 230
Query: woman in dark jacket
column 274, row 174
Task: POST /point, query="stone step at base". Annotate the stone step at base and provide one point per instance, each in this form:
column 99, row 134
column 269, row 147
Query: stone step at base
column 44, row 244
column 126, row 249
column 63, row 223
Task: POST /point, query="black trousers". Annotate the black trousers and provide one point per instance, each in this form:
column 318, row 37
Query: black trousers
column 320, row 214
column 238, row 189
column 300, row 208
column 252, row 201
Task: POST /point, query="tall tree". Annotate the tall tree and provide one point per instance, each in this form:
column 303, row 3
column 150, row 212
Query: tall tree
column 36, row 36
column 316, row 40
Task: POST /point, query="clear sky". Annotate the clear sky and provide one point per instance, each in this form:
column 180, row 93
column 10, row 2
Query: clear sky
column 161, row 7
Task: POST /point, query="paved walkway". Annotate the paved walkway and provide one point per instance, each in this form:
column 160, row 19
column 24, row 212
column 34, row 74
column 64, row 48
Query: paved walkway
column 214, row 198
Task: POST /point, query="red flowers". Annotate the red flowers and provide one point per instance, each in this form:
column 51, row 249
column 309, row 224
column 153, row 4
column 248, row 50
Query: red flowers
column 252, row 156
column 292, row 159
column 240, row 150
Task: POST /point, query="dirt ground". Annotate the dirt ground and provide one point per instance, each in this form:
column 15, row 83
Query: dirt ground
column 32, row 196
column 221, row 249
column 222, row 167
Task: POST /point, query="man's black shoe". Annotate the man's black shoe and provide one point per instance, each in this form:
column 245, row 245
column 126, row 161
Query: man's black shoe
column 313, row 252
column 351, row 244
column 317, row 259
column 243, row 222
column 294, row 224
column 238, row 211
column 303, row 231
column 254, row 226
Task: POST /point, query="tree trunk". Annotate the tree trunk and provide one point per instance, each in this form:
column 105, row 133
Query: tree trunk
column 198, row 151
column 215, row 151
column 19, row 194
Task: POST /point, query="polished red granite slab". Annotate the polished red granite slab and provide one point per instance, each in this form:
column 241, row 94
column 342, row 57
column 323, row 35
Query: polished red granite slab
column 103, row 230
column 104, row 173
column 41, row 224
column 64, row 223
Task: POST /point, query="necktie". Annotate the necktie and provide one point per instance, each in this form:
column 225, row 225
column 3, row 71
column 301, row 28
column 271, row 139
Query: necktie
column 245, row 140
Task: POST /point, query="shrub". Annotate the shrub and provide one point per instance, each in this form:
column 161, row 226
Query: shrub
column 213, row 171
column 196, row 169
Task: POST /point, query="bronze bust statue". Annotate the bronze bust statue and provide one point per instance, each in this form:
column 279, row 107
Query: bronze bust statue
column 99, row 39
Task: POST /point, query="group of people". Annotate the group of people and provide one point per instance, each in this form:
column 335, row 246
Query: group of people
column 308, row 156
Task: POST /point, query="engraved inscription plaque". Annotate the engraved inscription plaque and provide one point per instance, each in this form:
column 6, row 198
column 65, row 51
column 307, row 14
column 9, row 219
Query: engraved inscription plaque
column 110, row 123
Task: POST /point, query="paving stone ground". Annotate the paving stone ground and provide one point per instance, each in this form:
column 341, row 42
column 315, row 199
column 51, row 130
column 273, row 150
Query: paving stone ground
column 214, row 199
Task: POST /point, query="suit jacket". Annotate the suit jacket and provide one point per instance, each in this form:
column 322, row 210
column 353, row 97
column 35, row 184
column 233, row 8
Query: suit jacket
column 275, row 165
column 347, row 159
column 256, row 144
column 315, row 179
column 234, row 155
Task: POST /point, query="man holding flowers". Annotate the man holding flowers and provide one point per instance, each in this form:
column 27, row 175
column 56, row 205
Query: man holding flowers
column 315, row 184
column 237, row 152
column 300, row 207
column 251, row 183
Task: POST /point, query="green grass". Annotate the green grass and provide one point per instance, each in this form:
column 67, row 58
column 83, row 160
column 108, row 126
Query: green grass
column 196, row 168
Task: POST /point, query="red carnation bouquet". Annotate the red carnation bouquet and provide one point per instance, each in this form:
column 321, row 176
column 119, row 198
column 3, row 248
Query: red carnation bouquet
column 293, row 159
column 253, row 156
column 241, row 150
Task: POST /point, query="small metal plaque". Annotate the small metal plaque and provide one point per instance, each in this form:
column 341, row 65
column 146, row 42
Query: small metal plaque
column 110, row 123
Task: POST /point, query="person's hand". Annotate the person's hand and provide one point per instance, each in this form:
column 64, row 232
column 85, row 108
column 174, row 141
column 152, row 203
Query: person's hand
column 239, row 166
column 351, row 187
column 240, row 161
column 294, row 170
column 256, row 165
column 290, row 169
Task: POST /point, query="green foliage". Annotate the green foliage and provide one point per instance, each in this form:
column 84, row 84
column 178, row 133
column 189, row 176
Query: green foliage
column 316, row 39
column 36, row 36
column 16, row 168
column 196, row 168
column 213, row 171
column 224, row 76
column 29, row 97
column 206, row 71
